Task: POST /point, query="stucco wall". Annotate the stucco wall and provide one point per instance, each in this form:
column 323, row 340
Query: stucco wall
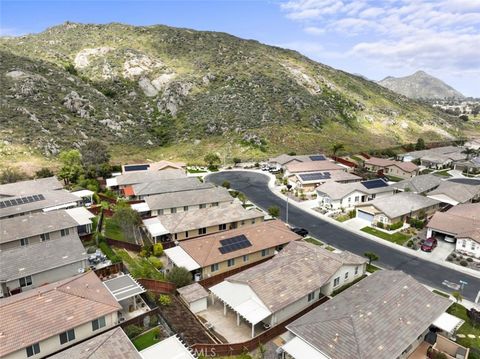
column 36, row 239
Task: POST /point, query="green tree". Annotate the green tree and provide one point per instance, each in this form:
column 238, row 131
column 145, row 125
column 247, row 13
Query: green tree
column 44, row 172
column 11, row 175
column 337, row 147
column 127, row 219
column 226, row 184
column 95, row 156
column 420, row 145
column 236, row 161
column 241, row 196
column 372, row 257
column 458, row 296
column 212, row 159
column 274, row 211
column 180, row 276
column 71, row 166
column 157, row 249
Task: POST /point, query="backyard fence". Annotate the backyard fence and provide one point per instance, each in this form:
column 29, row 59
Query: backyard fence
column 157, row 286
column 95, row 209
column 344, row 162
column 109, row 270
column 125, row 245
column 107, row 199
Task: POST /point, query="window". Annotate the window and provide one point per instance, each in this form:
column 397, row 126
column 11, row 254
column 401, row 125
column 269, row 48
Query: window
column 473, row 246
column 24, row 242
column 222, row 227
column 185, row 208
column 231, row 262
column 346, row 275
column 44, row 237
column 186, row 234
column 98, row 323
column 265, row 252
column 336, row 281
column 176, row 236
column 356, row 270
column 202, row 231
column 25, row 281
column 214, row 267
column 464, row 244
column 173, row 210
column 253, row 221
column 349, row 199
column 311, row 296
column 33, row 349
column 65, row 232
column 203, row 205
column 67, row 336
column 214, row 204
column 357, row 198
column 245, row 258
column 243, row 223
column 160, row 212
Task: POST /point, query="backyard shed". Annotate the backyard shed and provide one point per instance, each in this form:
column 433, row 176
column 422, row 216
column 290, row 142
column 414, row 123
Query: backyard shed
column 195, row 296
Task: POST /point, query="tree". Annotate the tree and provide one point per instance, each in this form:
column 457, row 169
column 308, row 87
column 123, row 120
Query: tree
column 420, row 145
column 236, row 161
column 157, row 249
column 11, row 175
column 44, row 172
column 180, row 276
column 71, row 165
column 95, row 156
column 127, row 219
column 337, row 147
column 458, row 296
column 469, row 152
column 372, row 257
column 274, row 211
column 212, row 159
column 241, row 196
column 226, row 184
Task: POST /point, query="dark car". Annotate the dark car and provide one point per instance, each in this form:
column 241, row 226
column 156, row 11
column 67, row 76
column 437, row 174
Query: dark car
column 300, row 231
column 429, row 244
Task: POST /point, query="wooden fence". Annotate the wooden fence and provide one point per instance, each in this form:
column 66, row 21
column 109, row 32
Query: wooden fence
column 121, row 244
column 107, row 199
column 344, row 162
column 212, row 350
column 157, row 286
column 95, row 209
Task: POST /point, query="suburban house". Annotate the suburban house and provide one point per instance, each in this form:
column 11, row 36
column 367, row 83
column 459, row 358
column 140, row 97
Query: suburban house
column 419, row 184
column 470, row 165
column 437, row 158
column 23, row 188
column 35, row 228
column 131, row 178
column 145, row 189
column 346, row 195
column 59, row 315
column 173, row 202
column 397, row 208
column 301, row 274
column 83, row 217
column 282, row 160
column 223, row 251
column 473, row 144
column 391, row 167
column 154, row 166
column 37, row 202
column 386, row 315
column 24, row 268
column 460, row 223
column 294, row 168
column 199, row 222
column 454, row 193
column 311, row 180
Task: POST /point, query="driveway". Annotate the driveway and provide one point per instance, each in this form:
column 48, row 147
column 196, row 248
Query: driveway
column 255, row 187
column 356, row 223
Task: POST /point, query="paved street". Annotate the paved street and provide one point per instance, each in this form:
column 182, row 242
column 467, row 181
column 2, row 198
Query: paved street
column 255, row 187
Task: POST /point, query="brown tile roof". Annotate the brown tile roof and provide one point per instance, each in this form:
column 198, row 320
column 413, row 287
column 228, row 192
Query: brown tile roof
column 384, row 162
column 111, row 344
column 462, row 221
column 312, row 166
column 43, row 312
column 204, row 250
column 379, row 317
column 297, row 270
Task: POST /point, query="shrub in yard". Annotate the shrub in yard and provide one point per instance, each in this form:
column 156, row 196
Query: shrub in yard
column 164, row 300
column 226, row 184
column 133, row 330
column 157, row 249
column 151, row 297
column 469, row 259
column 91, row 250
column 380, row 225
column 410, row 244
column 157, row 263
column 352, row 213
column 449, row 258
column 463, row 263
column 180, row 276
column 153, row 321
column 395, row 226
column 454, row 255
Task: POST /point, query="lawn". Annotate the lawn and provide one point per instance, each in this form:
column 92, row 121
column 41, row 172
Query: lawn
column 112, row 230
column 343, row 218
column 147, row 339
column 443, row 173
column 196, row 170
column 441, row 293
column 139, row 267
column 371, row 268
column 313, row 241
column 394, row 179
column 398, row 238
column 459, row 311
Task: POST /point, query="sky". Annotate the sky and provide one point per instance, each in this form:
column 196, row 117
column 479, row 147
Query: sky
column 374, row 38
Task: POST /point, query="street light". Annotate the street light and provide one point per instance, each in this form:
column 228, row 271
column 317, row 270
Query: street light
column 289, row 187
column 463, row 283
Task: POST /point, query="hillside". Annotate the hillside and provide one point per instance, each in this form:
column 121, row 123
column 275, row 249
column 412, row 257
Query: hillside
column 420, row 85
column 189, row 91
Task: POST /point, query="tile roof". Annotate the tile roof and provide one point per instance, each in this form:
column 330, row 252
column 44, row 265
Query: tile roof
column 297, row 270
column 263, row 235
column 313, row 166
column 439, row 154
column 52, row 309
column 15, row 228
column 378, row 317
column 156, row 166
column 461, row 221
column 188, row 198
column 384, row 162
column 130, row 178
column 192, row 292
column 339, row 190
column 419, row 184
column 169, row 185
column 335, row 175
column 206, row 217
column 40, row 257
column 108, row 345
column 459, row 192
column 284, row 158
column 30, row 187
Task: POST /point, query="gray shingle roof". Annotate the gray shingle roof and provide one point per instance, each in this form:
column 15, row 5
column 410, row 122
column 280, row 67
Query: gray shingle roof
column 169, row 185
column 30, row 187
column 36, row 258
column 131, row 178
column 379, row 317
column 459, row 192
column 192, row 292
column 419, row 184
column 296, row 271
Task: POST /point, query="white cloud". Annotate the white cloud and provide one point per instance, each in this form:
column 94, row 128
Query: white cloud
column 314, row 30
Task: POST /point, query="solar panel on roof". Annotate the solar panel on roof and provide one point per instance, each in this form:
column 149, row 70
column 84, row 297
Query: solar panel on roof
column 317, row 158
column 234, row 244
column 315, row 176
column 376, row 183
column 136, row 168
column 21, row 200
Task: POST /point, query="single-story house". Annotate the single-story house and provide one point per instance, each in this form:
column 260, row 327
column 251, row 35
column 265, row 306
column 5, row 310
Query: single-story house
column 386, row 315
column 221, row 252
column 199, row 222
column 59, row 314
column 391, row 167
column 419, row 184
column 131, row 178
column 471, row 165
column 282, row 160
column 437, row 158
column 396, row 208
column 345, row 195
column 173, row 202
column 454, row 193
column 146, row 189
column 22, row 188
column 301, row 274
column 311, row 180
column 194, row 296
column 460, row 223
column 154, row 166
column 35, row 228
column 294, row 168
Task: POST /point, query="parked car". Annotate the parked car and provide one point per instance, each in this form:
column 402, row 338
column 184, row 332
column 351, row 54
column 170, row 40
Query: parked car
column 300, row 231
column 429, row 244
column 449, row 239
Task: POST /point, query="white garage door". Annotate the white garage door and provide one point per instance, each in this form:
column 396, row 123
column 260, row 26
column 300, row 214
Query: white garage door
column 365, row 216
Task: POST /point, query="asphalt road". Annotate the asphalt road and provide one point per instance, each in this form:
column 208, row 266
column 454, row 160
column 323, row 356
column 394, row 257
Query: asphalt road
column 255, row 187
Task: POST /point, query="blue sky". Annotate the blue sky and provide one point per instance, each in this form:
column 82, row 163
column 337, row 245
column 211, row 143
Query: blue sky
column 368, row 37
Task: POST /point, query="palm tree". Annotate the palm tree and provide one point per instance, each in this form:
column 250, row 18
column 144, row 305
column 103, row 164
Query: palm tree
column 458, row 296
column 469, row 152
column 337, row 147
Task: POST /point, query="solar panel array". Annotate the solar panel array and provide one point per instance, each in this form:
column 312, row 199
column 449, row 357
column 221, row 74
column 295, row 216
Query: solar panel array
column 315, row 176
column 21, row 200
column 234, row 244
column 317, row 158
column 130, row 168
column 376, row 183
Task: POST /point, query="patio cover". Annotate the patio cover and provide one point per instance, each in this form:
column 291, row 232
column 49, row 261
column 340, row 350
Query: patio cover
column 140, row 207
column 242, row 299
column 81, row 215
column 448, row 322
column 181, row 258
column 171, row 348
column 300, row 349
column 112, row 182
column 155, row 227
column 123, row 287
column 83, row 193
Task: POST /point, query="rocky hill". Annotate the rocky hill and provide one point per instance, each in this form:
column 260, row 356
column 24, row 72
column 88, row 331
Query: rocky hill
column 420, row 85
column 161, row 86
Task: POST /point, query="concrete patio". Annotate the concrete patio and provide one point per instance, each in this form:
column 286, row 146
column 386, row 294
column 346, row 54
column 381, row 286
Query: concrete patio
column 420, row 352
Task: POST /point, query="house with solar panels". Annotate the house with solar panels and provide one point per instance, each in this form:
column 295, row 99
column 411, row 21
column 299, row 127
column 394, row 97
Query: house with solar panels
column 282, row 160
column 334, row 195
column 123, row 183
column 311, row 180
column 154, row 166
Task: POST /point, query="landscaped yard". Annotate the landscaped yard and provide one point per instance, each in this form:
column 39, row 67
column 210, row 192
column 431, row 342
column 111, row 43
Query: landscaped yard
column 196, row 170
column 112, row 230
column 443, row 173
column 459, row 311
column 147, row 339
column 371, row 268
column 398, row 238
column 139, row 267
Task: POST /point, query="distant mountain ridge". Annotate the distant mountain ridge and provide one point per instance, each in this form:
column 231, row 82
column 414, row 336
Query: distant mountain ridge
column 420, row 85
